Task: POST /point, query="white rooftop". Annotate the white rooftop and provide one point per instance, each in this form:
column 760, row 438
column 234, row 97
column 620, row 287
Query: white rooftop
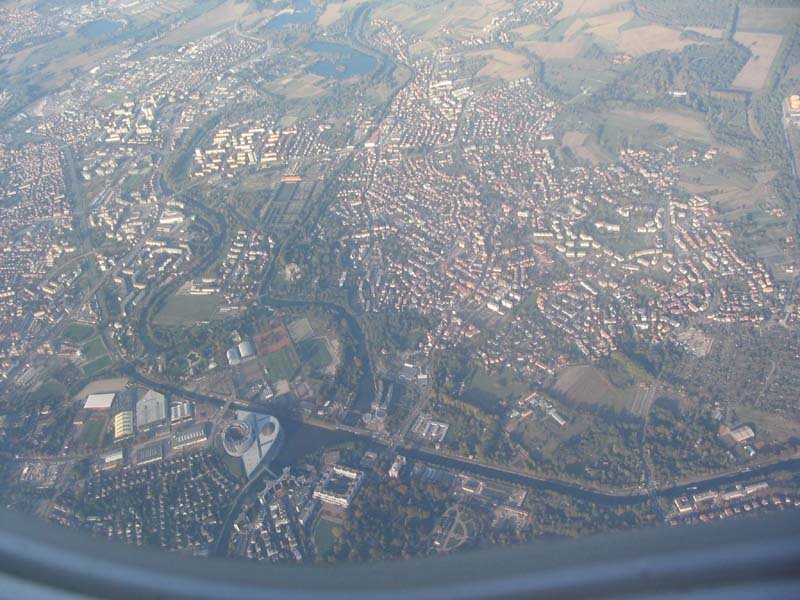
column 99, row 401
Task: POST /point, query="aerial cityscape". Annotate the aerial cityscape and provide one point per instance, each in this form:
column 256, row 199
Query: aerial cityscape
column 315, row 281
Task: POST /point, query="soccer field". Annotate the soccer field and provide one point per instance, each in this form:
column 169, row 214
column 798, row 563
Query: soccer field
column 281, row 364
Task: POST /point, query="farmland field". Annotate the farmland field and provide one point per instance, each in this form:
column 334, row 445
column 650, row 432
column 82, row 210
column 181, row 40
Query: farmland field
column 503, row 64
column 570, row 8
column 583, row 384
column 583, row 147
column 770, row 19
column 685, row 124
column 764, row 48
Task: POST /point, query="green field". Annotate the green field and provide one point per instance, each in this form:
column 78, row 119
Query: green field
column 281, row 364
column 93, row 350
column 486, row 391
column 51, row 391
column 323, row 536
column 92, row 431
column 97, row 365
column 77, row 333
column 183, row 309
column 315, row 353
column 571, row 76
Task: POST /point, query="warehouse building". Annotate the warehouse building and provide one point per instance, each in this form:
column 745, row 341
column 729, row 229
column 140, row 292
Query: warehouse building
column 151, row 410
column 123, row 425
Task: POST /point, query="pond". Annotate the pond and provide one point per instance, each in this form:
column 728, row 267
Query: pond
column 341, row 61
column 303, row 14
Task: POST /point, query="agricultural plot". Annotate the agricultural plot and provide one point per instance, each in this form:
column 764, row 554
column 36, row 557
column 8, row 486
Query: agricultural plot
column 728, row 187
column 570, row 8
column 583, row 385
column 684, row 123
column 218, row 18
column 586, row 385
column 503, row 64
column 769, row 19
column 584, row 148
column 764, row 48
column 620, row 32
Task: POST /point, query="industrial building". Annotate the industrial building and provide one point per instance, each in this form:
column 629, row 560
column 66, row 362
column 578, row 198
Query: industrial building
column 99, row 401
column 190, row 436
column 149, row 454
column 112, row 459
column 240, row 353
column 180, row 411
column 123, row 424
column 151, row 410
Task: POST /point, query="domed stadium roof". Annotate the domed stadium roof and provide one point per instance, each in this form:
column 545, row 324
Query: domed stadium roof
column 237, row 438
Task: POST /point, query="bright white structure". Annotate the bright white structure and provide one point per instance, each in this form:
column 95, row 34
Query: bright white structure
column 99, row 401
column 252, row 437
column 151, row 410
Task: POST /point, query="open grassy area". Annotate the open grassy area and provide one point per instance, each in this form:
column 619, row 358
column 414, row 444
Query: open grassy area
column 97, row 365
column 323, row 536
column 92, row 431
column 315, row 353
column 281, row 364
column 763, row 48
column 77, row 333
column 486, row 391
column 94, row 349
column 570, row 76
column 184, row 309
column 589, row 386
column 50, row 391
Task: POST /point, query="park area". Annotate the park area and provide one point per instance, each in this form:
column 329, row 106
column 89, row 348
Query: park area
column 184, row 309
column 323, row 536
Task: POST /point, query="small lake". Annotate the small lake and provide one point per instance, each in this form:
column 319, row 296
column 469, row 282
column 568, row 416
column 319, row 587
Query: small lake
column 303, row 14
column 101, row 28
column 341, row 61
